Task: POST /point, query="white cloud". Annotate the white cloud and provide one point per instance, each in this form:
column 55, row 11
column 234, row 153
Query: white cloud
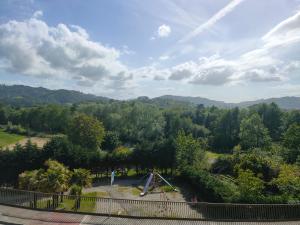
column 159, row 77
column 211, row 21
column 32, row 48
column 37, row 14
column 285, row 29
column 163, row 31
column 180, row 74
column 275, row 61
column 164, row 57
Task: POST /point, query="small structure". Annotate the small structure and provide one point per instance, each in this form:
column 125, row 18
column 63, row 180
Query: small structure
column 153, row 181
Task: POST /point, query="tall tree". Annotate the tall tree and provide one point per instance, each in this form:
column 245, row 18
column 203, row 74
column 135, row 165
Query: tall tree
column 271, row 116
column 86, row 131
column 291, row 140
column 253, row 133
column 226, row 132
column 189, row 151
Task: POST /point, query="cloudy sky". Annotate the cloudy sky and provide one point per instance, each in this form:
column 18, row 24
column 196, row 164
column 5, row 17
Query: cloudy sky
column 230, row 50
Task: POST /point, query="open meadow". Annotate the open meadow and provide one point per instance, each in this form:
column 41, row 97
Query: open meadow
column 9, row 140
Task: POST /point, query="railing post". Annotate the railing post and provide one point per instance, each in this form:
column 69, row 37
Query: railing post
column 34, row 200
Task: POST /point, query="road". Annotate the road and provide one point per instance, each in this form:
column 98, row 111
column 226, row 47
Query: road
column 14, row 216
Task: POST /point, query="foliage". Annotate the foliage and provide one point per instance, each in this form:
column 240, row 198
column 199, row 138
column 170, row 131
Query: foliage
column 75, row 189
column 223, row 165
column 189, row 152
column 288, row 181
column 227, row 130
column 111, row 141
column 256, row 163
column 81, row 177
column 166, row 188
column 210, row 187
column 143, row 134
column 86, row 131
column 271, row 116
column 291, row 141
column 253, row 134
column 250, row 186
column 15, row 129
column 55, row 179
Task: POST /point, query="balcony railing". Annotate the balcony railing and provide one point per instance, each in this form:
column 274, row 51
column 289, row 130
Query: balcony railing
column 149, row 209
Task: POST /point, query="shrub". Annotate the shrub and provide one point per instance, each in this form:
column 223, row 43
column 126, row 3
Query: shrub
column 223, row 165
column 166, row 188
column 15, row 129
column 214, row 189
column 75, row 190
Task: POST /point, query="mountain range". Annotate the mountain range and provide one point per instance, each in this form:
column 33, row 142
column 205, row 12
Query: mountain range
column 20, row 95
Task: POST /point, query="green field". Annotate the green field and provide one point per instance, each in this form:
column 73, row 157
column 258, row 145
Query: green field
column 7, row 138
column 85, row 205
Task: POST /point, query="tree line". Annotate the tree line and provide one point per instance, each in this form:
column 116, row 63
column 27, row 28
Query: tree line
column 257, row 146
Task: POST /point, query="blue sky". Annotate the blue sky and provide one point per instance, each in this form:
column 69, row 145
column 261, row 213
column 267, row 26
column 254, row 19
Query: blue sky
column 230, row 50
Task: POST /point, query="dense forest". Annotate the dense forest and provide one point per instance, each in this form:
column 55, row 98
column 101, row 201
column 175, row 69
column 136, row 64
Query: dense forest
column 228, row 155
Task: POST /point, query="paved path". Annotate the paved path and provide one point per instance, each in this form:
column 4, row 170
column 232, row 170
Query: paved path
column 13, row 216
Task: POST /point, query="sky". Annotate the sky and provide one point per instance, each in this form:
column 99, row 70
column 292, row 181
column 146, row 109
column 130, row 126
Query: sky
column 229, row 50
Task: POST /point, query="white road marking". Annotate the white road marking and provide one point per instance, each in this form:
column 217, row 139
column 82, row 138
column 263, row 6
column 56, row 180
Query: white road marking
column 85, row 219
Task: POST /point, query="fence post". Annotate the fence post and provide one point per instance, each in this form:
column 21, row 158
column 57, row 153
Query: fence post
column 54, row 201
column 34, row 201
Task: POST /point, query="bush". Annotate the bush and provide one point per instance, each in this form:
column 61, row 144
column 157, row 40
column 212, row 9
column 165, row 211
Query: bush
column 166, row 188
column 75, row 190
column 223, row 165
column 15, row 129
column 213, row 188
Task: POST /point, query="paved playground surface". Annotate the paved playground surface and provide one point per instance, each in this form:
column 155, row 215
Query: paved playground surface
column 130, row 189
column 16, row 216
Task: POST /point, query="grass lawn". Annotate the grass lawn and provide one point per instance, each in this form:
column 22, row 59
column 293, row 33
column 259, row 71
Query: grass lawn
column 7, row 138
column 213, row 155
column 86, row 205
column 135, row 191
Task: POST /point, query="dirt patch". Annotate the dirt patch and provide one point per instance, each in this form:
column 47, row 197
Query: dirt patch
column 40, row 142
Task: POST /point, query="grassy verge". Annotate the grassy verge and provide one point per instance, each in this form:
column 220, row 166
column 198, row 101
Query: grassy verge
column 213, row 155
column 7, row 138
column 86, row 204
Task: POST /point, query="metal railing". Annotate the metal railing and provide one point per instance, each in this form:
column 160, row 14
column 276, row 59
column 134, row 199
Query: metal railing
column 149, row 209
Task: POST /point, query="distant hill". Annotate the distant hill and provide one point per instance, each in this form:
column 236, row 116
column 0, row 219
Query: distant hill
column 20, row 95
column 194, row 100
column 283, row 102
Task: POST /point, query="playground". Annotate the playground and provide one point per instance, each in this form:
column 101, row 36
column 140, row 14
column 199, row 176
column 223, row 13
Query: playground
column 132, row 188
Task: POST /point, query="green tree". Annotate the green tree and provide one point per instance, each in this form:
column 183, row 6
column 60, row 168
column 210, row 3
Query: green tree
column 253, row 134
column 291, row 140
column 121, row 157
column 55, row 179
column 31, row 180
column 288, row 181
column 226, row 132
column 271, row 116
column 250, row 186
column 111, row 141
column 189, row 151
column 3, row 115
column 81, row 177
column 86, row 131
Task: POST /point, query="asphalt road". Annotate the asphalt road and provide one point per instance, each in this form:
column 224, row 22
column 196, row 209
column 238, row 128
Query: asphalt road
column 13, row 216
